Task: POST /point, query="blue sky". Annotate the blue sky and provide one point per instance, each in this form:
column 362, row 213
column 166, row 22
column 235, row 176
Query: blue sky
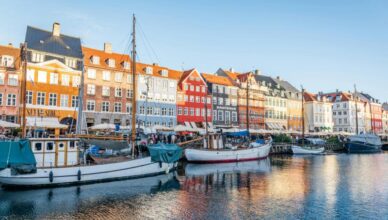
column 323, row 45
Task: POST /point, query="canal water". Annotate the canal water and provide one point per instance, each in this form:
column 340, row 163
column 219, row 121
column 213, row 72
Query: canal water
column 283, row 187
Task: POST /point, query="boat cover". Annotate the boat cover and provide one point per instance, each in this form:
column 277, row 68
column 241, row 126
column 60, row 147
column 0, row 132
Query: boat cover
column 167, row 153
column 237, row 134
column 107, row 144
column 16, row 154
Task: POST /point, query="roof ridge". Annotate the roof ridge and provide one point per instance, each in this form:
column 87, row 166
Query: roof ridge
column 40, row 29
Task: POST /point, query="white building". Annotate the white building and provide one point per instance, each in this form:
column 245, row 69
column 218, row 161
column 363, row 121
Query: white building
column 318, row 113
column 344, row 112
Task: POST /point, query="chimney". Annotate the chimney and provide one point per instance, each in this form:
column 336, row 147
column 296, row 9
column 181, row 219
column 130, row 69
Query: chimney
column 336, row 91
column 155, row 64
column 257, row 72
column 107, row 47
column 278, row 77
column 56, row 29
column 231, row 70
column 10, row 45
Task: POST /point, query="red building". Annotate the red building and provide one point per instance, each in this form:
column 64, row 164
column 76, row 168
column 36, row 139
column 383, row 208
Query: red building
column 191, row 100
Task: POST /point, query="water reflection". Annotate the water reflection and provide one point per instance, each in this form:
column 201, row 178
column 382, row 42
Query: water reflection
column 284, row 187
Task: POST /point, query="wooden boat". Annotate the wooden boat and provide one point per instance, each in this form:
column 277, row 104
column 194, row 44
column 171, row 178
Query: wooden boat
column 220, row 154
column 307, row 150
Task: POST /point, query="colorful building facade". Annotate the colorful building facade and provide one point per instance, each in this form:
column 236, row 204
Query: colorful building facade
column 318, row 113
column 224, row 100
column 107, row 87
column 54, row 70
column 192, row 110
column 10, row 76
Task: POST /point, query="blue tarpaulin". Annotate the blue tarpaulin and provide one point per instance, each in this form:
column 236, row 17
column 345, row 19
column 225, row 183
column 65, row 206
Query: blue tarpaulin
column 167, row 153
column 237, row 134
column 16, row 153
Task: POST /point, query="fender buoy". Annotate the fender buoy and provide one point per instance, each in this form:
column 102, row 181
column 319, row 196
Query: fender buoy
column 79, row 175
column 51, row 176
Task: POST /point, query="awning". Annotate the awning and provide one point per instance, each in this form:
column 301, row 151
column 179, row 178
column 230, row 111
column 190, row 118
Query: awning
column 43, row 122
column 6, row 124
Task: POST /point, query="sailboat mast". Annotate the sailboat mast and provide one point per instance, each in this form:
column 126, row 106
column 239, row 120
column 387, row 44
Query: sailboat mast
column 303, row 128
column 248, row 76
column 79, row 121
column 23, row 94
column 355, row 100
column 133, row 136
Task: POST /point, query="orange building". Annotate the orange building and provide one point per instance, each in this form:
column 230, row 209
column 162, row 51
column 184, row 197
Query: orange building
column 9, row 83
column 53, row 77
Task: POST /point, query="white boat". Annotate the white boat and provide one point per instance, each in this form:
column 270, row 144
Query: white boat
column 260, row 166
column 71, row 172
column 217, row 153
column 306, row 150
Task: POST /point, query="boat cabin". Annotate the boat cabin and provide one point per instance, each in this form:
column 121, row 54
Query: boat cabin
column 55, row 152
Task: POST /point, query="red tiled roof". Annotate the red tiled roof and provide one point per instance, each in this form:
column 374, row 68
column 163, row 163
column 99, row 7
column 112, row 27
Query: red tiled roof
column 157, row 71
column 221, row 80
column 119, row 58
column 309, row 97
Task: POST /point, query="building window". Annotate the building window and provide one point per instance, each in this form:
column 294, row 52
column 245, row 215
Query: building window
column 40, row 98
column 149, row 110
column 148, row 70
column 65, row 80
column 215, row 114
column 209, row 112
column 7, row 61
column 54, row 78
column 37, row 57
column 128, row 107
column 129, row 78
column 29, row 97
column 179, row 110
column 198, row 99
column 164, row 73
column 42, row 77
column 220, row 115
column 157, row 111
column 203, row 112
column 30, row 75
column 118, row 92
column 191, row 98
column 191, row 88
column 142, row 110
column 12, row 79
column 11, row 100
column 164, row 111
column 71, row 62
column 118, row 77
column 91, row 90
column 203, row 89
column 91, row 74
column 1, row 99
column 2, row 78
column 105, row 91
column 220, row 101
column 192, row 111
column 186, row 98
column 186, row 87
column 117, row 107
column 185, row 111
column 126, row 65
column 198, row 112
column 95, row 59
column 197, row 88
column 76, row 81
column 74, row 101
column 129, row 93
column 90, row 105
column 105, row 107
column 52, row 99
column 171, row 112
column 64, row 100
column 227, row 116
column 111, row 63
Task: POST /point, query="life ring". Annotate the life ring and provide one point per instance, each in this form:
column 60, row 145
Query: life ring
column 51, row 176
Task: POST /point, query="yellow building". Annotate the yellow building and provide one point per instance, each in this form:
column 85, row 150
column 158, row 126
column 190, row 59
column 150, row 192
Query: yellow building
column 53, row 77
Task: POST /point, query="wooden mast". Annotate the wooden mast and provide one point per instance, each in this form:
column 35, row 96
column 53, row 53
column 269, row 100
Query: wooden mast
column 355, row 100
column 248, row 77
column 303, row 128
column 23, row 94
column 133, row 136
column 206, row 129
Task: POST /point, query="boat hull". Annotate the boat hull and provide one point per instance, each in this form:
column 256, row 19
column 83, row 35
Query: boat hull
column 356, row 147
column 301, row 150
column 50, row 177
column 225, row 156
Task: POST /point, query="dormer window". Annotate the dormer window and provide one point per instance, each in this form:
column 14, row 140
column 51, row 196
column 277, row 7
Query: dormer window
column 7, row 61
column 111, row 62
column 148, row 70
column 37, row 57
column 95, row 60
column 164, row 73
column 71, row 62
column 126, row 65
